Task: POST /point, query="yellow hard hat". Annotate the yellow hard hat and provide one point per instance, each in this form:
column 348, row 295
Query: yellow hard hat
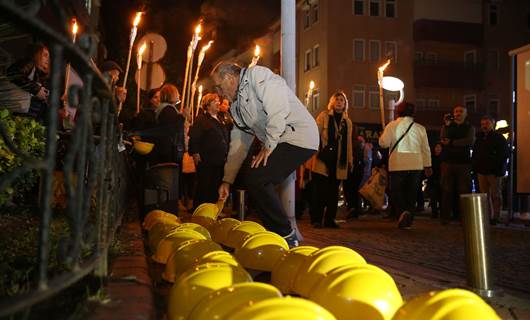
column 184, row 256
column 221, row 303
column 166, row 219
column 261, row 250
column 358, row 292
column 167, row 245
column 287, row 266
column 196, row 227
column 450, row 304
column 209, row 210
column 319, row 263
column 237, row 235
column 196, row 283
column 221, row 228
column 288, row 308
column 142, row 147
column 153, row 214
column 158, row 232
column 218, row 256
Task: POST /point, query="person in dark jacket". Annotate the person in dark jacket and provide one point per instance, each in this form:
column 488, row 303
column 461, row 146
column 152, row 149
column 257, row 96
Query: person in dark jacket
column 490, row 153
column 457, row 137
column 31, row 74
column 208, row 146
column 146, row 118
column 433, row 182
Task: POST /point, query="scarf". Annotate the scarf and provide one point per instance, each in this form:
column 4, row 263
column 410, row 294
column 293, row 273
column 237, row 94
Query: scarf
column 341, row 136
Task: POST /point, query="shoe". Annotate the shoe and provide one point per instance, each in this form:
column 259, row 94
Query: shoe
column 316, row 225
column 292, row 239
column 405, row 220
column 332, row 225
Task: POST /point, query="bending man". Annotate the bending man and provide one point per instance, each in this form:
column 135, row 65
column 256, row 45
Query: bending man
column 263, row 107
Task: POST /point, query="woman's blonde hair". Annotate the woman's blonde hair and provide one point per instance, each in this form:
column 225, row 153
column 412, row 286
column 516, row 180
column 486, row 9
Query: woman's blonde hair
column 168, row 92
column 334, row 96
column 207, row 99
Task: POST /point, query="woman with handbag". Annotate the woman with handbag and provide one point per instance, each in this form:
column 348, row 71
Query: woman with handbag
column 333, row 161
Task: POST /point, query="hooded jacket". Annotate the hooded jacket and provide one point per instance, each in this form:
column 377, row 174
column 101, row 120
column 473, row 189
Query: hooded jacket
column 267, row 109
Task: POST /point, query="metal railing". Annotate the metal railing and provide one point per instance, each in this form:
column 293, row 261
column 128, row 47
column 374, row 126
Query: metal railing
column 94, row 170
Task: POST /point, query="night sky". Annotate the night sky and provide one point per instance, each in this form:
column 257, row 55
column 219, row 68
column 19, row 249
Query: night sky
column 230, row 23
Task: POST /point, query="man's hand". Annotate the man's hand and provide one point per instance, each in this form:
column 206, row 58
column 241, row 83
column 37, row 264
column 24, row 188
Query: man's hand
column 196, row 158
column 428, row 172
column 224, row 190
column 262, row 156
column 42, row 94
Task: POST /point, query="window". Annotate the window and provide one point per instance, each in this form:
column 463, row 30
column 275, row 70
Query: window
column 358, row 7
column 418, row 56
column 391, row 51
column 316, row 100
column 314, row 15
column 307, row 61
column 374, row 8
column 375, row 50
column 470, row 58
column 390, row 8
column 431, row 58
column 493, row 60
column 374, row 97
column 358, row 96
column 493, row 106
column 306, row 18
column 420, row 103
column 493, row 15
column 316, row 56
column 358, row 50
column 433, row 104
column 470, row 102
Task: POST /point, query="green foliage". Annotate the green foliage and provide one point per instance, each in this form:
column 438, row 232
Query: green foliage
column 29, row 136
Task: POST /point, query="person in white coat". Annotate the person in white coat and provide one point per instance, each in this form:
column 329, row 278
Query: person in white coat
column 409, row 155
column 265, row 108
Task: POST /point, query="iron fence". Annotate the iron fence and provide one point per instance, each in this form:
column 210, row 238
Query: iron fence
column 94, row 170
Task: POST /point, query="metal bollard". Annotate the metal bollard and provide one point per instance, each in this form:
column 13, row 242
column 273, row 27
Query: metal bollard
column 241, row 204
column 475, row 214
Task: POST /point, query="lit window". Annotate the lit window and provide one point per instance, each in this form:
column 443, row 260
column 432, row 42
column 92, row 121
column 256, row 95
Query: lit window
column 358, row 50
column 375, row 50
column 390, row 8
column 358, row 7
column 374, row 8
column 358, row 96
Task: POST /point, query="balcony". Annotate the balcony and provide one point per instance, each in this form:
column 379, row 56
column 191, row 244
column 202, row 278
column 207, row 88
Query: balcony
column 448, row 74
column 448, row 32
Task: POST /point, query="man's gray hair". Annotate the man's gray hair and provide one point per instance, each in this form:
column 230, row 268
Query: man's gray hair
column 226, row 67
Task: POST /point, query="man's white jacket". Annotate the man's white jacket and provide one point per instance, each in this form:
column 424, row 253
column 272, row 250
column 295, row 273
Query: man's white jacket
column 413, row 152
column 266, row 108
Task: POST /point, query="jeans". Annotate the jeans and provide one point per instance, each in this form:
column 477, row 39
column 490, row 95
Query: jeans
column 325, row 196
column 261, row 184
column 404, row 190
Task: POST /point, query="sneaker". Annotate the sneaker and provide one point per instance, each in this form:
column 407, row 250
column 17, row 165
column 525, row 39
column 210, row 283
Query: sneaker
column 405, row 220
column 292, row 239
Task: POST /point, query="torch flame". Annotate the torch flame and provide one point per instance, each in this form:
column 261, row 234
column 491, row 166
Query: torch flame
column 142, row 49
column 257, row 51
column 198, row 29
column 383, row 67
column 137, row 18
column 200, row 89
column 206, row 47
column 74, row 26
column 311, row 85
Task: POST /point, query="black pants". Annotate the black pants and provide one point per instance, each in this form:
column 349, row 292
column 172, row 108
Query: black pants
column 351, row 188
column 208, row 180
column 325, row 196
column 404, row 190
column 456, row 180
column 261, row 184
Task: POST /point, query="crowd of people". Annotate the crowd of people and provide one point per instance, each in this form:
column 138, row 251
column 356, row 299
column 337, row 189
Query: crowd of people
column 251, row 129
